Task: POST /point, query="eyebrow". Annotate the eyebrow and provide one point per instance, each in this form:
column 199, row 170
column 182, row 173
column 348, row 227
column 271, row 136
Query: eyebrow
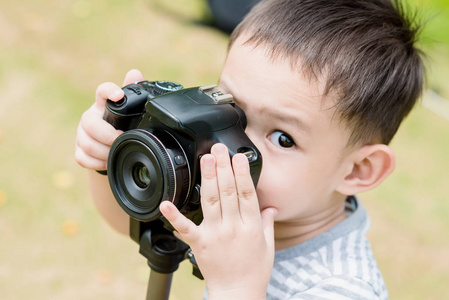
column 288, row 119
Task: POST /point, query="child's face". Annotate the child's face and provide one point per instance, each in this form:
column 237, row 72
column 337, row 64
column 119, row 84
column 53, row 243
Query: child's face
column 303, row 144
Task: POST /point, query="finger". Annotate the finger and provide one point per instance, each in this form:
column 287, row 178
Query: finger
column 268, row 216
column 89, row 162
column 226, row 182
column 90, row 146
column 210, row 198
column 185, row 227
column 133, row 76
column 98, row 129
column 247, row 197
column 107, row 91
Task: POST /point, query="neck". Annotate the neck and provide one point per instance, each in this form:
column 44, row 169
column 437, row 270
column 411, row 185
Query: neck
column 291, row 233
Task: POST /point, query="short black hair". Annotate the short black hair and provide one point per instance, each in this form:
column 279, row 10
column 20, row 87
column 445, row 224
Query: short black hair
column 365, row 48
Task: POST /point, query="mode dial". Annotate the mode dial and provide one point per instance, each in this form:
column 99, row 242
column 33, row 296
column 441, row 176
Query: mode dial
column 163, row 87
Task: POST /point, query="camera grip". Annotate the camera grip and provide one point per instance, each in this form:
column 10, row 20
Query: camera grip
column 125, row 114
column 117, row 120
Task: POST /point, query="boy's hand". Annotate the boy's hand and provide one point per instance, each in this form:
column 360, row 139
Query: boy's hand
column 234, row 245
column 94, row 135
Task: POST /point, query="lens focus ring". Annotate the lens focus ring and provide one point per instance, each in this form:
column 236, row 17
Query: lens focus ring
column 142, row 173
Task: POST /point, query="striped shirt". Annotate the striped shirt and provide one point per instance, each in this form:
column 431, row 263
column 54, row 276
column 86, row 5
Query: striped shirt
column 338, row 264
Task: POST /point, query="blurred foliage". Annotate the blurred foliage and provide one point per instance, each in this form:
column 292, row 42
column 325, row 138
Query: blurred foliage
column 435, row 15
column 434, row 40
column 53, row 243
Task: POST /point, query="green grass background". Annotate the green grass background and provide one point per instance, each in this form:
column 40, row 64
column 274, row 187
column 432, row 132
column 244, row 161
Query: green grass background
column 53, row 54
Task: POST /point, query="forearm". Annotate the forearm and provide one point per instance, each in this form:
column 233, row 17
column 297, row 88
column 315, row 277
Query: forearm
column 106, row 204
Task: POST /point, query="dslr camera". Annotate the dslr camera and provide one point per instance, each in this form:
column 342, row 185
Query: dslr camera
column 167, row 130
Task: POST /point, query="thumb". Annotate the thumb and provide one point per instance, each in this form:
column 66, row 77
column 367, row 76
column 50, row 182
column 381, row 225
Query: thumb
column 185, row 227
column 132, row 76
column 267, row 216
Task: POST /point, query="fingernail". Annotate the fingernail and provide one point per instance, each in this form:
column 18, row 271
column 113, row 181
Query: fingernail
column 207, row 160
column 240, row 159
column 165, row 207
column 117, row 95
column 220, row 149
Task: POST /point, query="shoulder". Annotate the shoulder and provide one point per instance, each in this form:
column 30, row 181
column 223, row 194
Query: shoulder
column 340, row 287
column 330, row 272
column 339, row 263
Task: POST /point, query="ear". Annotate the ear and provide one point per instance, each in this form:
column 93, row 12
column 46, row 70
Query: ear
column 368, row 167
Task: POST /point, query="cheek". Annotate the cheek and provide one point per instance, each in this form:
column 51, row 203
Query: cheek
column 283, row 184
column 279, row 185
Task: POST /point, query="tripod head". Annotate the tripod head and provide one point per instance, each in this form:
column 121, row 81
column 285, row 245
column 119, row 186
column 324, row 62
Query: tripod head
column 160, row 247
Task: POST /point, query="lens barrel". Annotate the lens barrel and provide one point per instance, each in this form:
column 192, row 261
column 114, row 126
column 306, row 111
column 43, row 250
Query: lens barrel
column 144, row 170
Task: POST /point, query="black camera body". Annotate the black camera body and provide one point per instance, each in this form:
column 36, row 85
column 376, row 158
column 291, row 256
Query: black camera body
column 167, row 130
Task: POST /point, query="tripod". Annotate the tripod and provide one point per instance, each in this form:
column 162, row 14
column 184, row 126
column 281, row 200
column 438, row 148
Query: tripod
column 164, row 252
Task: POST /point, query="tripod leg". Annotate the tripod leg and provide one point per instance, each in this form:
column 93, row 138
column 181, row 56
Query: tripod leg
column 159, row 286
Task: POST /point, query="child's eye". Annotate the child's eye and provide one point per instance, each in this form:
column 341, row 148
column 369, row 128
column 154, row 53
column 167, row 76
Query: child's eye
column 281, row 139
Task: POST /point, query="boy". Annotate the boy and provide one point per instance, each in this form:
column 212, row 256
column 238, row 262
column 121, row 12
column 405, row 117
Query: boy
column 324, row 86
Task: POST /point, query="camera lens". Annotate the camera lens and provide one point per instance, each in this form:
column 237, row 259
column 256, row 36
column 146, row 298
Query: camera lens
column 142, row 173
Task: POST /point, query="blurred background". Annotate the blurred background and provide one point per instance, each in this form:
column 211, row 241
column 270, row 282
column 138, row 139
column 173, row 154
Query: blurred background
column 54, row 53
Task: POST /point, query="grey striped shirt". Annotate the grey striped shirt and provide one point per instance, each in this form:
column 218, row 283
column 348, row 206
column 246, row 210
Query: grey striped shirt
column 337, row 264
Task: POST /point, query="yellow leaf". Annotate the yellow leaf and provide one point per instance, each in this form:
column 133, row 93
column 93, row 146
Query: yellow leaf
column 2, row 198
column 104, row 276
column 63, row 179
column 70, row 228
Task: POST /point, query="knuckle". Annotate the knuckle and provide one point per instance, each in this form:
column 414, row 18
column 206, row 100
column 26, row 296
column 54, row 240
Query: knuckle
column 84, row 114
column 183, row 229
column 208, row 175
column 228, row 191
column 87, row 147
column 246, row 194
column 212, row 199
column 228, row 232
column 87, row 122
column 79, row 157
column 87, row 115
column 223, row 163
column 110, row 138
column 102, row 166
column 88, row 162
column 103, row 87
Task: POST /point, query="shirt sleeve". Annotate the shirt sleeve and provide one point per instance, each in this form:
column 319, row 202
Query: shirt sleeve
column 339, row 288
